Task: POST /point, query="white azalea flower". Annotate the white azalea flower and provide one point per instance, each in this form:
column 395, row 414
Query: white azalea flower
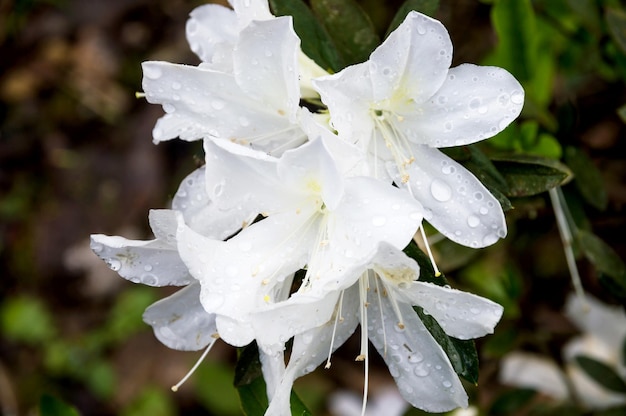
column 314, row 217
column 405, row 102
column 604, row 332
column 256, row 104
column 379, row 293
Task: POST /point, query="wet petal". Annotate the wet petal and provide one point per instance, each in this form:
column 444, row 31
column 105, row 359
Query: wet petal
column 412, row 62
column 180, row 322
column 210, row 26
column 473, row 104
column 456, row 203
column 460, row 314
column 419, row 366
column 535, row 372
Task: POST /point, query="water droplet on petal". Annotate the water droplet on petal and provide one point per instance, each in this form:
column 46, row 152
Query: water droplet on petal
column 416, row 357
column 440, row 190
column 176, row 85
column 489, row 239
column 149, row 279
column 473, row 221
column 169, row 108
column 96, row 248
column 152, row 72
column 446, row 384
column 217, row 104
column 474, row 103
column 147, row 268
column 483, row 211
column 475, row 311
column 517, row 97
column 114, row 264
column 421, row 371
column 379, row 221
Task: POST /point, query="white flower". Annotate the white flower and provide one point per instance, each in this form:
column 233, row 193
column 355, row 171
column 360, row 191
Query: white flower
column 256, row 104
column 315, row 217
column 405, row 102
column 604, row 332
column 379, row 293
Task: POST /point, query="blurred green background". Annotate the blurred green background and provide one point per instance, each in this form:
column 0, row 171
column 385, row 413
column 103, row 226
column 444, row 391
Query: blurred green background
column 76, row 158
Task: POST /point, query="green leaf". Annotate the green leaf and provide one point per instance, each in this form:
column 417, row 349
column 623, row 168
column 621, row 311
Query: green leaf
column 316, row 43
column 588, row 178
column 52, row 406
column 616, row 20
column 621, row 112
column 151, row 401
column 427, row 273
column 427, row 7
column 531, row 175
column 601, row 374
column 252, row 388
column 214, row 389
column 511, row 401
column 602, row 256
column 26, row 319
column 462, row 353
column 349, row 27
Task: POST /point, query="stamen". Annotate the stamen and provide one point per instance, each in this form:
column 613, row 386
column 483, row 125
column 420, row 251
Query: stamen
column 565, row 230
column 382, row 319
column 195, row 366
column 365, row 384
column 337, row 320
column 140, row 94
column 430, row 254
column 363, row 289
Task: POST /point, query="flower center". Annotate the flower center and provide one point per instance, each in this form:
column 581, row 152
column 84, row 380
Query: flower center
column 393, row 138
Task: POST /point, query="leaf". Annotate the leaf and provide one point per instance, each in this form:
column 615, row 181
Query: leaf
column 462, row 353
column 602, row 256
column 601, row 373
column 251, row 386
column 26, row 319
column 621, row 112
column 316, row 43
column 427, row 273
column 616, row 20
column 511, row 401
column 427, row 7
column 213, row 388
column 588, row 178
column 349, row 27
column 531, row 175
column 52, row 406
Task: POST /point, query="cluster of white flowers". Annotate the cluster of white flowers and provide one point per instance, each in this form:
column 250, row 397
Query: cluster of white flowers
column 313, row 185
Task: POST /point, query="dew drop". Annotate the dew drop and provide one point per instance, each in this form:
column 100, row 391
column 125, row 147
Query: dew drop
column 147, row 268
column 475, row 311
column 96, row 248
column 114, row 264
column 176, row 85
column 447, row 170
column 416, row 357
column 421, row 371
column 442, row 99
column 149, row 279
column 421, row 30
column 169, row 108
column 448, row 126
column 483, row 211
column 379, row 221
column 473, row 221
column 152, row 72
column 440, row 190
column 478, row 196
column 474, row 103
column 446, row 384
column 517, row 97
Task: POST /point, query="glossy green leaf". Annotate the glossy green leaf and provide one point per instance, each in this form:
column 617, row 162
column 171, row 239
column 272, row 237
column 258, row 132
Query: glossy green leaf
column 531, row 175
column 53, row 406
column 316, row 43
column 602, row 256
column 251, row 386
column 350, row 28
column 616, row 20
column 588, row 178
column 462, row 353
column 427, row 7
column 427, row 273
column 601, row 374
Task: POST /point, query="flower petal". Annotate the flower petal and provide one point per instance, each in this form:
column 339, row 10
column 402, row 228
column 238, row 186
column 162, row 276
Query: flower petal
column 456, row 203
column 473, row 104
column 535, row 372
column 210, row 26
column 412, row 61
column 180, row 322
column 153, row 263
column 265, row 62
column 419, row 366
column 461, row 315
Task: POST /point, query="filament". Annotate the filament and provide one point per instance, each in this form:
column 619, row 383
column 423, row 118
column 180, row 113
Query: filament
column 195, row 366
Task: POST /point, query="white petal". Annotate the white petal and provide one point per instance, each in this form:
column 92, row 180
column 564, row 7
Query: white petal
column 266, row 65
column 473, row 104
column 206, row 103
column 237, row 181
column 201, row 215
column 248, row 10
column 311, row 348
column 370, row 212
column 180, row 322
column 606, row 322
column 153, row 263
column 412, row 62
column 420, row 367
column 460, row 314
column 163, row 223
column 208, row 26
column 273, row 367
column 533, row 371
column 235, row 332
column 455, row 202
column 348, row 94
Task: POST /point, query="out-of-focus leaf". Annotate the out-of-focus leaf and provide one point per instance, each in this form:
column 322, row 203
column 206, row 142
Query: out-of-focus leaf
column 251, row 386
column 621, row 112
column 215, row 390
column 613, row 411
column 462, row 353
column 601, row 374
column 427, row 7
column 101, row 378
column 531, row 175
column 616, row 20
column 602, row 256
column 316, row 43
column 151, row 401
column 350, row 28
column 125, row 318
column 25, row 319
column 588, row 179
column 53, row 406
column 511, row 401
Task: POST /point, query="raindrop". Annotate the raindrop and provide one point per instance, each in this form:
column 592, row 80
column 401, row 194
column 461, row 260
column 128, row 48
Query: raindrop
column 442, row 99
column 473, row 221
column 503, row 99
column 397, row 358
column 503, row 123
column 393, row 370
column 218, row 189
column 421, row 371
column 478, row 196
column 447, row 170
column 446, row 384
column 152, row 72
column 217, row 104
column 168, row 108
column 176, row 85
column 147, row 267
column 114, row 264
column 448, row 126
column 475, row 311
column 149, row 279
column 517, row 97
column 386, row 71
column 379, row 221
column 474, row 103
column 421, row 30
column 483, row 211
column 440, row 190
column 416, row 357
column 96, row 248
